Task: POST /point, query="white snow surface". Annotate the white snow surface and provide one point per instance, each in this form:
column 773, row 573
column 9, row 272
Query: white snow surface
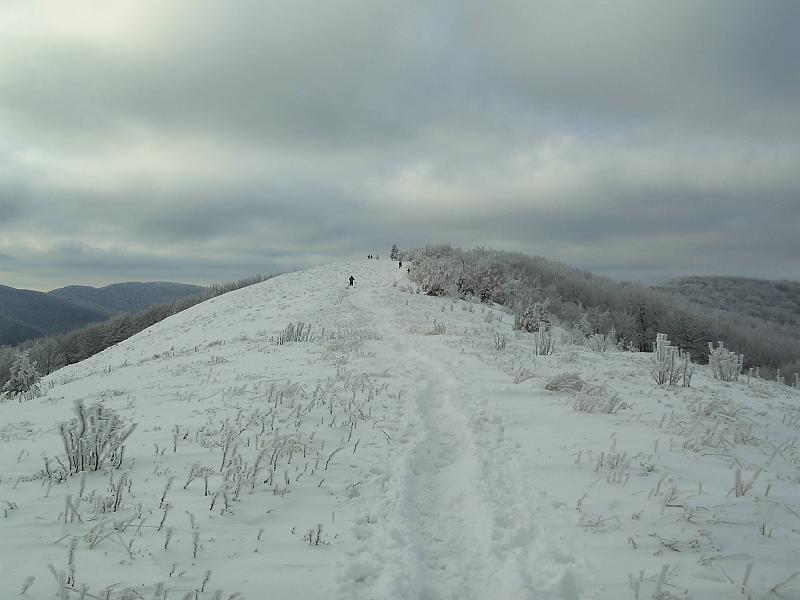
column 397, row 464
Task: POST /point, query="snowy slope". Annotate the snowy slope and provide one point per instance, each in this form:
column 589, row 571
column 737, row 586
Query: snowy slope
column 375, row 459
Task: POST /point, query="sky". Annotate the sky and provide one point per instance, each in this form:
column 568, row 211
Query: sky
column 205, row 140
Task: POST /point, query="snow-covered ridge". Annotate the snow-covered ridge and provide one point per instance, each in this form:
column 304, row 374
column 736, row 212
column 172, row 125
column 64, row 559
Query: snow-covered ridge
column 378, row 454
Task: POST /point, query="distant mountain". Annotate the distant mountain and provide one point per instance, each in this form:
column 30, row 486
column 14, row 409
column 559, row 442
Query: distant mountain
column 125, row 297
column 27, row 314
column 775, row 301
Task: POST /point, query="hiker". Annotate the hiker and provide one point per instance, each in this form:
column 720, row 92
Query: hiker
column 400, row 266
column 352, row 280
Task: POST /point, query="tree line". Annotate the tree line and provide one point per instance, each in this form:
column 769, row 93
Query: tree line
column 598, row 304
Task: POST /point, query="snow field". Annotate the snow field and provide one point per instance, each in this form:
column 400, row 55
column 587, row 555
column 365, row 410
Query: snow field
column 391, row 456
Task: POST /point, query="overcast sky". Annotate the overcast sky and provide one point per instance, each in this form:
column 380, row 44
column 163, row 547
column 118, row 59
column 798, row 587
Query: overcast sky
column 200, row 140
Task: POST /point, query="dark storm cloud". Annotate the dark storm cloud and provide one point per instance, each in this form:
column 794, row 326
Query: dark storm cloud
column 641, row 139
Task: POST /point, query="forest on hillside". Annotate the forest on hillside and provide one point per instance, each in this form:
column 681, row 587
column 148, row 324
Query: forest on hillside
column 776, row 301
column 597, row 304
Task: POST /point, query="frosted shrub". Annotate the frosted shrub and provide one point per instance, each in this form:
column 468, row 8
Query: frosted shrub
column 601, row 342
column 725, row 365
column 24, row 380
column 543, row 342
column 439, row 328
column 669, row 365
column 565, row 382
column 435, row 282
column 499, row 342
column 93, row 439
column 533, row 317
column 574, row 336
column 294, row 333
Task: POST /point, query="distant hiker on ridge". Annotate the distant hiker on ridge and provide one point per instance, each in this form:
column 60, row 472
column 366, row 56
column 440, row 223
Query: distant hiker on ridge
column 352, row 280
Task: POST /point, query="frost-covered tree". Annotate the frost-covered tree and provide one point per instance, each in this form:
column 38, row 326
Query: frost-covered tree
column 636, row 311
column 24, row 379
column 395, row 253
column 534, row 317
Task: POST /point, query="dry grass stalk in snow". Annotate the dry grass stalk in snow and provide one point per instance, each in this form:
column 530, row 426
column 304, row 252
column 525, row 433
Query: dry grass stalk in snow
column 598, row 399
column 439, row 328
column 294, row 333
column 499, row 342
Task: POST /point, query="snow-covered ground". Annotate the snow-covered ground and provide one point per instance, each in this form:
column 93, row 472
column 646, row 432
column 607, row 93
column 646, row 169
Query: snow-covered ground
column 380, row 457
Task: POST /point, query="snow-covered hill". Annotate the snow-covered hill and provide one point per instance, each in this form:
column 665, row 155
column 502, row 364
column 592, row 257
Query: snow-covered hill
column 393, row 451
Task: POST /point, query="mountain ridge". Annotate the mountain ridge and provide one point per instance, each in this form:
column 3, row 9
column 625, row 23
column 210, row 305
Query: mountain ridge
column 129, row 296
column 28, row 314
column 319, row 440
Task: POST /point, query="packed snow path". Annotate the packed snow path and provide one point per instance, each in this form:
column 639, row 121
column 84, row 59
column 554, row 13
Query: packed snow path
column 455, row 517
column 403, row 456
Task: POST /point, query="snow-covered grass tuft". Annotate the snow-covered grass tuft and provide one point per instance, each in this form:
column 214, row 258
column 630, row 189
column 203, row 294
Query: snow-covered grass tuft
column 294, row 333
column 565, row 382
column 439, row 328
column 93, row 440
column 599, row 399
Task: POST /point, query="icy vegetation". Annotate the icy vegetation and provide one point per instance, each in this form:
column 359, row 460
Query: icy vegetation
column 303, row 439
column 532, row 287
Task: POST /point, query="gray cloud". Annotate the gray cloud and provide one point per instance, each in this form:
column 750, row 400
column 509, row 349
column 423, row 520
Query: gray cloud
column 199, row 140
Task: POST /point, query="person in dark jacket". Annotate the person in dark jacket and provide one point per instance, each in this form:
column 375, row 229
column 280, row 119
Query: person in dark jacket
column 352, row 280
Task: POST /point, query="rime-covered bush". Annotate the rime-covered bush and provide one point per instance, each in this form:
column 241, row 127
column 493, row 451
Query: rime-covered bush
column 93, row 439
column 435, row 283
column 24, row 379
column 395, row 253
column 543, row 342
column 534, row 317
column 725, row 365
column 669, row 365
column 602, row 342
